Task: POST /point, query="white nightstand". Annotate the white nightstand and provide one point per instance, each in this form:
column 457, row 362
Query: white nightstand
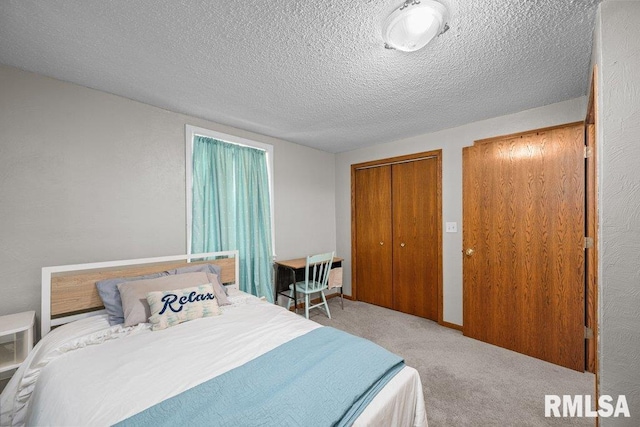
column 16, row 339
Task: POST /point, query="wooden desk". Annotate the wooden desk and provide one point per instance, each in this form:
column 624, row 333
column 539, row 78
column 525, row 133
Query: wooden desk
column 290, row 271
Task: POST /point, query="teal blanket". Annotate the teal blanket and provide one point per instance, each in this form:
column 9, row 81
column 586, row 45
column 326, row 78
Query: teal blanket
column 323, row 378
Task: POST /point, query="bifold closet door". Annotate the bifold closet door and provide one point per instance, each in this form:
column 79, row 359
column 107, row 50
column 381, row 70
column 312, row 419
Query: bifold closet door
column 373, row 235
column 415, row 238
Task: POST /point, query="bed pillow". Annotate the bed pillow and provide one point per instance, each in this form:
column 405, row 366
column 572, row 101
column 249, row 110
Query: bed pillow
column 218, row 289
column 169, row 308
column 134, row 293
column 206, row 268
column 110, row 295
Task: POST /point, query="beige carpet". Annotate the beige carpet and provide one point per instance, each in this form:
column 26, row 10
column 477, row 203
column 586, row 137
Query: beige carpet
column 466, row 382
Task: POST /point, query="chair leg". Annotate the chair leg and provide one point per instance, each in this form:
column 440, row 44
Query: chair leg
column 341, row 298
column 326, row 306
column 306, row 305
column 290, row 297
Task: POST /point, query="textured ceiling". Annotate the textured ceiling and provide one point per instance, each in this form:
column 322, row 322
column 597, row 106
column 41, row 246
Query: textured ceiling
column 311, row 72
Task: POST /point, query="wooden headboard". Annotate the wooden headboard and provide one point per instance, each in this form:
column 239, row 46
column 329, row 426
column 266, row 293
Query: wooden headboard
column 69, row 291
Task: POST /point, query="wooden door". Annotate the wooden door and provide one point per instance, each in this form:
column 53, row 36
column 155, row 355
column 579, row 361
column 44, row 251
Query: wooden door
column 415, row 237
column 373, row 235
column 591, row 284
column 523, row 240
column 591, row 255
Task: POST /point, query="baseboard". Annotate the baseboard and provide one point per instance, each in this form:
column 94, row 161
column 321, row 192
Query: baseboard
column 451, row 325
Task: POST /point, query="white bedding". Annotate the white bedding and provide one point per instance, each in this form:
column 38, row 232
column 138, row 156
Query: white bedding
column 89, row 373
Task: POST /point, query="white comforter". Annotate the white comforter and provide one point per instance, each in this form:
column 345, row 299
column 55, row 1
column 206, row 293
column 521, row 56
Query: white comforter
column 88, row 373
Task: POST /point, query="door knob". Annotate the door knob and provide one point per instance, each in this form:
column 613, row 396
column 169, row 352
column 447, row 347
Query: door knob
column 469, row 252
column 402, row 245
column 381, row 243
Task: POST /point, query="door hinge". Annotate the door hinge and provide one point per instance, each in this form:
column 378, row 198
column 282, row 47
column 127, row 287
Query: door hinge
column 588, row 242
column 588, row 333
column 588, row 152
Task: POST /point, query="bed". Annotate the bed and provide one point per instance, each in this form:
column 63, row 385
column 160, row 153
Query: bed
column 86, row 371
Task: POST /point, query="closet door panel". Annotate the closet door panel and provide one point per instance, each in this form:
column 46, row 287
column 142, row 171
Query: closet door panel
column 415, row 239
column 524, row 224
column 373, row 268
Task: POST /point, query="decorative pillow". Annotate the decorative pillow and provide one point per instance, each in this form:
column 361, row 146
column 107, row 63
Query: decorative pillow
column 218, row 289
column 206, row 268
column 169, row 308
column 110, row 295
column 134, row 294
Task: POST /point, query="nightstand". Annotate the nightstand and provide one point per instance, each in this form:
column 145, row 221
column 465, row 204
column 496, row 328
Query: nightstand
column 16, row 339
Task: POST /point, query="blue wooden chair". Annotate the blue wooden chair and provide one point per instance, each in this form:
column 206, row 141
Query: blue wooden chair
column 316, row 273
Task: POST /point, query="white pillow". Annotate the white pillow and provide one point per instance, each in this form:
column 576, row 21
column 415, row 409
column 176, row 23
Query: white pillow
column 170, row 308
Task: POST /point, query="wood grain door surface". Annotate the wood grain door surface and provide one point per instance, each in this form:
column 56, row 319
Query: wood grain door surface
column 524, row 225
column 591, row 284
column 397, row 245
column 415, row 238
column 373, row 267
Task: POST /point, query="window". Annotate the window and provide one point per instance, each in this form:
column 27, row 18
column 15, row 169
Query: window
column 229, row 193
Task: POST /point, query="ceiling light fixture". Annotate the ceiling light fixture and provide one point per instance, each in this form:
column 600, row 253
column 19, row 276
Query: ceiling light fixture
column 414, row 24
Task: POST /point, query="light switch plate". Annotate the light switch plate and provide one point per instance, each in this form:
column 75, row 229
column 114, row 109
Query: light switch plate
column 451, row 227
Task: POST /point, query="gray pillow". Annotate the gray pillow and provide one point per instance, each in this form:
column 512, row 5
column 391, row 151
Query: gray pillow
column 110, row 295
column 134, row 293
column 218, row 289
column 205, row 268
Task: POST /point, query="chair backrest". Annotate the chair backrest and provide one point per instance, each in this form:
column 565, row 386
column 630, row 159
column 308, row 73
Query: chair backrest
column 316, row 272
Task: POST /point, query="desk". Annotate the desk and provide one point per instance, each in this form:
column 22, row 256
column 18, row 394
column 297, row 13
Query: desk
column 290, row 271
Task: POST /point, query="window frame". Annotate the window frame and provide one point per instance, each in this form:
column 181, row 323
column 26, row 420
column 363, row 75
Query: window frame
column 192, row 131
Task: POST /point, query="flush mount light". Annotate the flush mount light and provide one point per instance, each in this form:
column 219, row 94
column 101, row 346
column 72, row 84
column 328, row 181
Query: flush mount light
column 414, row 24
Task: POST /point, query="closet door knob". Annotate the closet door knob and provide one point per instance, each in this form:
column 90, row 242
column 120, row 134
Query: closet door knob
column 381, row 243
column 469, row 252
column 402, row 245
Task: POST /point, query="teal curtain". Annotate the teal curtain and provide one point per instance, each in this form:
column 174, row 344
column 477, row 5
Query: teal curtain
column 231, row 209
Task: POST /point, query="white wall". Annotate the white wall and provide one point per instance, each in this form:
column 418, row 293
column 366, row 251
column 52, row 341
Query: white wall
column 88, row 176
column 617, row 54
column 451, row 142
